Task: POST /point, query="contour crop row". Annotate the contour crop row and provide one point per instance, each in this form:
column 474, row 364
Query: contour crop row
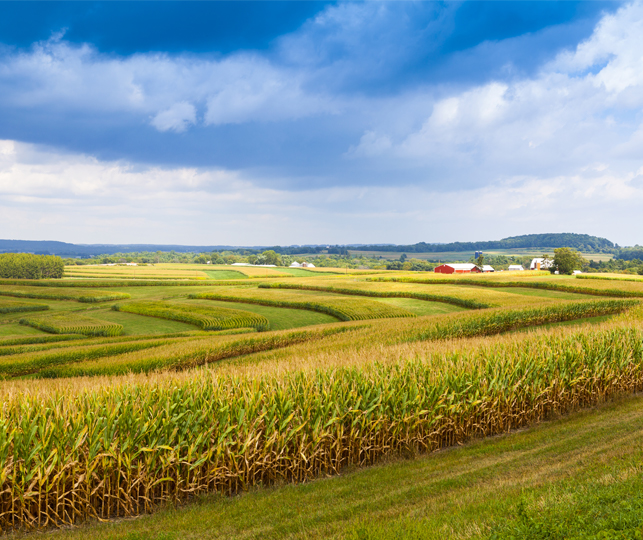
column 207, row 318
column 118, row 451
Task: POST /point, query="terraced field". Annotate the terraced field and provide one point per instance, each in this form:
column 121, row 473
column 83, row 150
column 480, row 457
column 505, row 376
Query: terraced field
column 346, row 370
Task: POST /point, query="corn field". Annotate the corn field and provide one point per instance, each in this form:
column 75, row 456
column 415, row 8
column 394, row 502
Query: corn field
column 121, row 450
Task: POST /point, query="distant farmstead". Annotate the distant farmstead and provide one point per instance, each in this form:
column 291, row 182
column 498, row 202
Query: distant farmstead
column 516, row 268
column 541, row 264
column 457, row 269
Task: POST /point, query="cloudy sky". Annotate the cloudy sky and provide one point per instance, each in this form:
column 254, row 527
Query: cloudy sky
column 262, row 123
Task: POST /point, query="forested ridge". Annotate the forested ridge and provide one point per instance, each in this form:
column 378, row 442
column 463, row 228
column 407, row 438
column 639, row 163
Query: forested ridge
column 581, row 242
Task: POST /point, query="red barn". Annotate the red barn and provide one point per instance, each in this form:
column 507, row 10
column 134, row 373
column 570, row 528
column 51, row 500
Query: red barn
column 457, row 269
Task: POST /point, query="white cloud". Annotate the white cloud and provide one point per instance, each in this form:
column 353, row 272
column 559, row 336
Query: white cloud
column 239, row 88
column 78, row 198
column 177, row 118
column 585, row 106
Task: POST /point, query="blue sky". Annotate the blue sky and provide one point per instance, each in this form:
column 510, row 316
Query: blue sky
column 290, row 122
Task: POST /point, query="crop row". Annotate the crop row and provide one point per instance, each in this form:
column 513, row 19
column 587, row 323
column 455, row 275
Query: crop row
column 28, row 340
column 345, row 309
column 462, row 302
column 73, row 323
column 207, row 318
column 35, row 362
column 185, row 354
column 79, row 296
column 500, row 321
column 546, row 285
column 609, row 278
column 7, row 306
column 97, row 282
column 118, row 451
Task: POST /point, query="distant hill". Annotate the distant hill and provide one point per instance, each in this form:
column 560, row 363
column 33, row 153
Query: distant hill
column 64, row 249
column 582, row 242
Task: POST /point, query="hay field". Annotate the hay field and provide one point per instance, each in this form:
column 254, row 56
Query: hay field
column 356, row 370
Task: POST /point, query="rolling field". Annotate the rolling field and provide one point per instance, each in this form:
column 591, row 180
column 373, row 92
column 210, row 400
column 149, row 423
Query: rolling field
column 345, row 372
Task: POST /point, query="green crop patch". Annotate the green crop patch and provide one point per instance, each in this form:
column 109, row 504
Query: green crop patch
column 10, row 306
column 73, row 323
column 345, row 309
column 205, row 317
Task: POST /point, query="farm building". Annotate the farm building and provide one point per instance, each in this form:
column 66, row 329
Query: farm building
column 541, row 264
column 487, row 268
column 455, row 268
column 307, row 265
column 295, row 265
column 516, row 267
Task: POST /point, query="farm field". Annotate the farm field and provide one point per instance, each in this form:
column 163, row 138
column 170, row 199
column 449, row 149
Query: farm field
column 331, row 372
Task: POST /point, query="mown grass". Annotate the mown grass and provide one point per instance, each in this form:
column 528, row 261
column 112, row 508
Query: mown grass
column 422, row 307
column 571, row 478
column 225, row 274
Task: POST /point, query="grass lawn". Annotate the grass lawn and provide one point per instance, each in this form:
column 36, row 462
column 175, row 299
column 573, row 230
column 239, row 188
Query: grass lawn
column 280, row 318
column 576, row 475
column 15, row 329
column 543, row 293
column 225, row 274
column 421, row 307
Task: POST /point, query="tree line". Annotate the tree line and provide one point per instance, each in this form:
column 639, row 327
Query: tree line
column 28, row 266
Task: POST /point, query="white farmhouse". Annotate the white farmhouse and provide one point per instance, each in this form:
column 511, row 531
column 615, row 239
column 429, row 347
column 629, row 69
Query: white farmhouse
column 516, row 268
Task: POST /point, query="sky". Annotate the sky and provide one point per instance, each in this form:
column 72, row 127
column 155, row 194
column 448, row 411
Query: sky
column 280, row 123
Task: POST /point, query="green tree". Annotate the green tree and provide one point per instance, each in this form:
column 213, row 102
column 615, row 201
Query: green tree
column 566, row 260
column 480, row 262
column 271, row 257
